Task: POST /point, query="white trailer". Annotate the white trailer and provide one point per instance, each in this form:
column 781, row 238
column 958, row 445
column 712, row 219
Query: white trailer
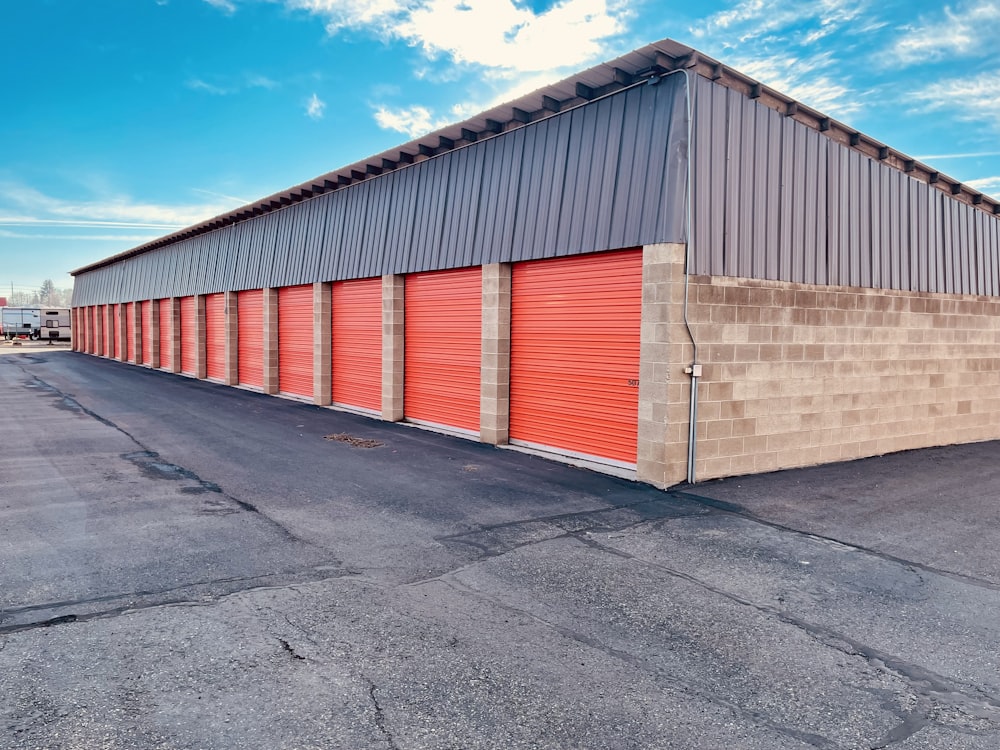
column 56, row 324
column 52, row 323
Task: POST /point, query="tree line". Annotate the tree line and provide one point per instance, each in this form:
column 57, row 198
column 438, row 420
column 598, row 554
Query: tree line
column 47, row 295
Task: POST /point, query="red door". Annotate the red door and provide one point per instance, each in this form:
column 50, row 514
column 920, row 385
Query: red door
column 250, row 337
column 116, row 329
column 575, row 354
column 215, row 336
column 295, row 340
column 357, row 343
column 443, row 348
column 96, row 340
column 189, row 335
column 166, row 335
column 146, row 313
column 130, row 332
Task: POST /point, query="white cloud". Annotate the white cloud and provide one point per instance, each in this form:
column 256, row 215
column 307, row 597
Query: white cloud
column 199, row 85
column 972, row 155
column 752, row 19
column 232, row 85
column 315, row 107
column 226, row 6
column 985, row 184
column 21, row 205
column 800, row 79
column 492, row 33
column 973, row 99
column 970, row 30
column 79, row 237
column 414, row 121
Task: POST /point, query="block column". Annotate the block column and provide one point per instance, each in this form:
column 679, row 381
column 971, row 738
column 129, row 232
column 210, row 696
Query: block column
column 154, row 333
column 175, row 333
column 322, row 343
column 393, row 340
column 270, row 341
column 137, row 331
column 123, row 332
column 200, row 338
column 494, row 394
column 664, row 351
column 232, row 339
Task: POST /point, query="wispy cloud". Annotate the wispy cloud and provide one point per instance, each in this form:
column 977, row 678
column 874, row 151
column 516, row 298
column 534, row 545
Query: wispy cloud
column 414, row 121
column 973, row 155
column 79, row 237
column 986, row 184
column 969, row 30
column 315, row 107
column 793, row 46
column 229, row 85
column 226, row 6
column 21, row 205
column 972, row 99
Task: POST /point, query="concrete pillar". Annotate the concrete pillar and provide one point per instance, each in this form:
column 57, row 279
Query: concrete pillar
column 200, row 338
column 175, row 334
column 392, row 347
column 494, row 394
column 322, row 343
column 232, row 339
column 664, row 351
column 137, row 331
column 154, row 333
column 271, row 341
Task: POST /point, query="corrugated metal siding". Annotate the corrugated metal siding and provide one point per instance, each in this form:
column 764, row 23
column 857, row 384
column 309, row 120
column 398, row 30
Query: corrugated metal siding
column 608, row 174
column 774, row 199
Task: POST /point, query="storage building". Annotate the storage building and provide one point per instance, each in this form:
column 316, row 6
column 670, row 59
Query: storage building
column 658, row 267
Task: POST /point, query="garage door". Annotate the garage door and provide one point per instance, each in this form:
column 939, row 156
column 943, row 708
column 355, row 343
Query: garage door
column 250, row 337
column 215, row 336
column 189, row 336
column 116, row 329
column 130, row 332
column 97, row 343
column 443, row 347
column 575, row 354
column 146, row 314
column 166, row 335
column 357, row 343
column 295, row 340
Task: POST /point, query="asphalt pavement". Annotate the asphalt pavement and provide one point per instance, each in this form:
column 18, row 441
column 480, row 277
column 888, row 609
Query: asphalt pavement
column 185, row 565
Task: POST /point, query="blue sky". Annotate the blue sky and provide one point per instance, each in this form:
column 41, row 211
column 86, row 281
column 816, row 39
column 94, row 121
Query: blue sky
column 123, row 120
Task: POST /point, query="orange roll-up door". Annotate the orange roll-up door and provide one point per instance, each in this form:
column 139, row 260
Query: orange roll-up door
column 575, row 354
column 166, row 335
column 189, row 335
column 250, row 337
column 295, row 340
column 146, row 314
column 357, row 343
column 443, row 348
column 116, row 328
column 105, row 332
column 130, row 332
column 215, row 336
column 97, row 341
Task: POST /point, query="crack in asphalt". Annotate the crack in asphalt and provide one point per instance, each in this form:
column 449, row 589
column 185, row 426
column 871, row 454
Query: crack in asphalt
column 688, row 687
column 380, row 722
column 738, row 510
column 148, row 460
column 925, row 683
column 125, row 609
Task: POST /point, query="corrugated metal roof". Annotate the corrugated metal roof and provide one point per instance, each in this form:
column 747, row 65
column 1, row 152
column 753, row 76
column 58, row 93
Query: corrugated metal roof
column 653, row 59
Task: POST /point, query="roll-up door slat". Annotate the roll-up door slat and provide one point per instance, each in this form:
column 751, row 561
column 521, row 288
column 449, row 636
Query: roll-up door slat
column 116, row 327
column 295, row 340
column 443, row 347
column 166, row 335
column 250, row 337
column 130, row 331
column 189, row 331
column 215, row 336
column 575, row 354
column 146, row 313
column 357, row 343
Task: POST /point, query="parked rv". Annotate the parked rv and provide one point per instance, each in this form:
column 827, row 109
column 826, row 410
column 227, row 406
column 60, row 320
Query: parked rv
column 53, row 323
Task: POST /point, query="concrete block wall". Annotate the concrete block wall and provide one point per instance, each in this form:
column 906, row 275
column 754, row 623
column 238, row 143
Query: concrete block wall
column 798, row 374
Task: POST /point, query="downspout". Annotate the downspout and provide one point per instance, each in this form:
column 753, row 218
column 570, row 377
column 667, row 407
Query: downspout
column 694, row 369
